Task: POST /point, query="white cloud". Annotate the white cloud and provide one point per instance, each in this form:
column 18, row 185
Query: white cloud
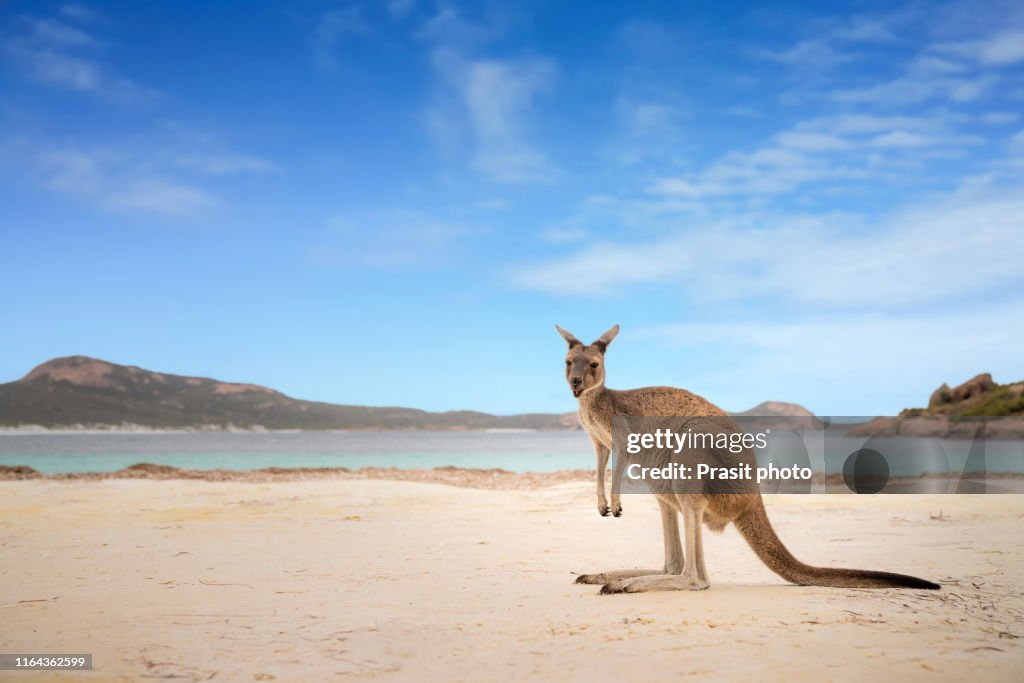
column 649, row 40
column 854, row 124
column 46, row 53
column 401, row 8
column 564, row 234
column 996, row 118
column 58, row 69
column 901, row 138
column 865, row 29
column 1003, row 48
column 648, row 118
column 83, row 75
column 648, row 128
column 812, row 142
column 448, row 29
column 915, row 89
column 332, row 27
column 770, row 170
column 77, row 12
column 59, row 33
column 498, row 95
column 833, row 151
column 494, row 99
column 924, row 254
column 158, row 196
column 813, row 55
column 487, row 102
column 390, row 239
column 224, row 163
column 955, row 72
column 105, row 178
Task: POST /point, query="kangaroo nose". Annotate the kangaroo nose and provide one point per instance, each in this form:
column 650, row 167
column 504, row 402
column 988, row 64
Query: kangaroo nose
column 576, row 381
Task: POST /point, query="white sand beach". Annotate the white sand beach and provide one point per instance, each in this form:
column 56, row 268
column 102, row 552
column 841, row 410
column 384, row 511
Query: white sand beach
column 394, row 580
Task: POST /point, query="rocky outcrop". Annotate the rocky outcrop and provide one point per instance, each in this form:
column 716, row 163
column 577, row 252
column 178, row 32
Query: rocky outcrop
column 979, row 406
column 974, row 388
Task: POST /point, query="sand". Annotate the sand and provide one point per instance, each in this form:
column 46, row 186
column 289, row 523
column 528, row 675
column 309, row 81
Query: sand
column 364, row 579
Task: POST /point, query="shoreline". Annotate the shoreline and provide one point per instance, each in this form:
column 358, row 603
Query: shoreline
column 142, row 430
column 494, row 478
column 1003, row 428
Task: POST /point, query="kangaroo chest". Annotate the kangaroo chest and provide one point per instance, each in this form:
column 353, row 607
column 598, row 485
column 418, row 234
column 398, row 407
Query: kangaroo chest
column 595, row 427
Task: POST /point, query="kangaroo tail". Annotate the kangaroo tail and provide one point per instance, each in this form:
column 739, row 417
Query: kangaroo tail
column 758, row 532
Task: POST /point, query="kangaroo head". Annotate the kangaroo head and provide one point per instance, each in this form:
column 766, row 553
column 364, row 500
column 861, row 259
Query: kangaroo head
column 584, row 364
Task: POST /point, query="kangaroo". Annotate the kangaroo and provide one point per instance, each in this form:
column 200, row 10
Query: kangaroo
column 585, row 373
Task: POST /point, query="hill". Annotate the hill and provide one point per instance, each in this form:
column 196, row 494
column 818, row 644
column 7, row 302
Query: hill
column 78, row 390
column 776, row 409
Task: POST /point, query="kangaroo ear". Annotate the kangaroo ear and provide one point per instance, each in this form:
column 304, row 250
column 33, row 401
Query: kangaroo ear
column 605, row 339
column 573, row 341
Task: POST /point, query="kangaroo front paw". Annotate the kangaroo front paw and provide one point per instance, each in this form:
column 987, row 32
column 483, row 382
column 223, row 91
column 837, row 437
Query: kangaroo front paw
column 603, row 509
column 616, row 511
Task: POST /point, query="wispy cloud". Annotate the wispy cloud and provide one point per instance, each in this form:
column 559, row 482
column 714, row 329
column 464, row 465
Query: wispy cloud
column 812, row 54
column 498, row 96
column 333, row 27
column 957, row 72
column 770, row 170
column 1001, row 48
column 835, row 42
column 833, row 151
column 998, row 118
column 104, row 177
column 55, row 32
column 917, row 88
column 867, row 29
column 495, row 97
column 77, row 12
column 649, row 40
column 60, row 54
column 160, row 196
column 401, row 8
column 650, row 128
column 390, row 239
column 225, row 163
column 812, row 260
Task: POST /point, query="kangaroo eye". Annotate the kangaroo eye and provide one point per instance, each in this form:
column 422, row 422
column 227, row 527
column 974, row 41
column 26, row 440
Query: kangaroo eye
column 593, row 365
column 568, row 363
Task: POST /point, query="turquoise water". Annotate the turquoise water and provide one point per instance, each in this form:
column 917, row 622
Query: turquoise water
column 107, row 452
column 512, row 451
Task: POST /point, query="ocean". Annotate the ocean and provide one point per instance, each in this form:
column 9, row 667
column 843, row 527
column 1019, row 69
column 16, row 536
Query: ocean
column 110, row 451
column 66, row 452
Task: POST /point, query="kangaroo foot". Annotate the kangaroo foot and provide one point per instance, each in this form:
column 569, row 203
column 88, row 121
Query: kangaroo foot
column 607, row 577
column 642, row 584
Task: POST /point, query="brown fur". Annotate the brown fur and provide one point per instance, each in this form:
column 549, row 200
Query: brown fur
column 585, row 373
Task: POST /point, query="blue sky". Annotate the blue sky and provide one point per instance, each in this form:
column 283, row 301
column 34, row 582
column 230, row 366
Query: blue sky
column 392, row 203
